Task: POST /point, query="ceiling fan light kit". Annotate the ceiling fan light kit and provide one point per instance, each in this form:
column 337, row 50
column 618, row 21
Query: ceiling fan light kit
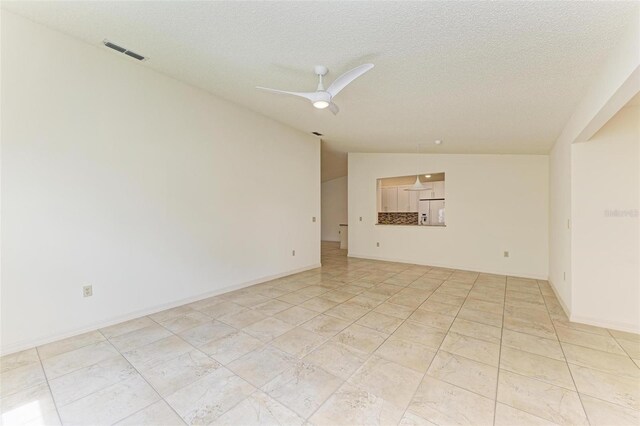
column 322, row 98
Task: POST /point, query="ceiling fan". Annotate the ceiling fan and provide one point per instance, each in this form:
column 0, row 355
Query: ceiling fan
column 323, row 98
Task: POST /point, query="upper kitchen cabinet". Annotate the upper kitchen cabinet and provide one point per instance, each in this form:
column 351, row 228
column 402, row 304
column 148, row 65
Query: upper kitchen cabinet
column 438, row 189
column 389, row 197
column 432, row 190
column 407, row 200
column 428, row 192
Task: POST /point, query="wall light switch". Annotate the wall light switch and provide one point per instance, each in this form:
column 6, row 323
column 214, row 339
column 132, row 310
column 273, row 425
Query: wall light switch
column 360, row 218
column 293, row 253
column 506, row 254
column 377, row 244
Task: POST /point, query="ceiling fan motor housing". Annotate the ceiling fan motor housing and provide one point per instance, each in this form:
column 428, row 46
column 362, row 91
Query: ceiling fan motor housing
column 320, row 70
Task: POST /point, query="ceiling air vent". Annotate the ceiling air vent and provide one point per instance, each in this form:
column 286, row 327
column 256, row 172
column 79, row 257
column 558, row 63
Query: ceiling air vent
column 123, row 50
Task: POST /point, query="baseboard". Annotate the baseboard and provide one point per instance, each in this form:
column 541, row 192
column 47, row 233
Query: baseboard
column 450, row 266
column 27, row 344
column 613, row 325
column 564, row 306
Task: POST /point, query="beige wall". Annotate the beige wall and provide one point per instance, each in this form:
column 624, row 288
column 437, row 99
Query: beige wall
column 119, row 177
column 334, row 207
column 617, row 81
column 495, row 203
column 560, row 223
column 605, row 190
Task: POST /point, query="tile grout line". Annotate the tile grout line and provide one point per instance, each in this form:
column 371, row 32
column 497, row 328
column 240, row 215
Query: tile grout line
column 345, row 270
column 300, row 359
column 561, row 341
column 78, row 369
column 439, row 346
column 46, row 378
column 256, row 388
column 115, row 383
column 128, row 362
column 344, row 381
column 621, row 347
column 263, row 344
column 504, row 308
column 373, row 352
column 145, row 380
column 529, row 377
column 567, row 363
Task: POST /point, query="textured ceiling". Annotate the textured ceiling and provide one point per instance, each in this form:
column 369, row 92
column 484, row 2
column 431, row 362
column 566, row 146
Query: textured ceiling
column 485, row 77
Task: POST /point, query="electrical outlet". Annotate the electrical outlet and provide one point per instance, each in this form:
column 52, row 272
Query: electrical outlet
column 313, row 219
column 377, row 244
column 87, row 291
column 293, row 252
column 506, row 254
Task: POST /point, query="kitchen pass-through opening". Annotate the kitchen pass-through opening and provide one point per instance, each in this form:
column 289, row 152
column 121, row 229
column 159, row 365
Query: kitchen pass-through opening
column 412, row 200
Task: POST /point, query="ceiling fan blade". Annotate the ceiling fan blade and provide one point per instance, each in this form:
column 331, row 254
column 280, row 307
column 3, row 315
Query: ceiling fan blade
column 334, row 108
column 312, row 96
column 346, row 78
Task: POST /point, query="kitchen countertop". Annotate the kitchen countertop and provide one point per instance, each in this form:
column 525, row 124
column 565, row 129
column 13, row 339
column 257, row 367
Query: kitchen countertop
column 413, row 225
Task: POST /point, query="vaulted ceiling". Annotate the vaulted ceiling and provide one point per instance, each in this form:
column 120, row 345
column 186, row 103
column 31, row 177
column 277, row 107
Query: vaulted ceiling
column 484, row 77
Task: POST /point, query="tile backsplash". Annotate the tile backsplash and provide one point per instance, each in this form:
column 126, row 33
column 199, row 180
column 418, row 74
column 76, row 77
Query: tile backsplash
column 398, row 218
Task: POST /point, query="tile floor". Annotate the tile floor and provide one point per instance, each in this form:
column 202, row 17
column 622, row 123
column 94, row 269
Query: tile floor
column 355, row 342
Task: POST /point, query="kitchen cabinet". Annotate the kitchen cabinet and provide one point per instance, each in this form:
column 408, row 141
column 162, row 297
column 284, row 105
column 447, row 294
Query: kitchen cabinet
column 438, row 189
column 407, row 200
column 398, row 199
column 389, row 199
column 403, row 199
column 414, row 198
column 433, row 190
column 427, row 193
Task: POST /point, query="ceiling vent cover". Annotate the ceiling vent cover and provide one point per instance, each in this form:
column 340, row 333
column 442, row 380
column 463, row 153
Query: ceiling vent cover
column 123, row 50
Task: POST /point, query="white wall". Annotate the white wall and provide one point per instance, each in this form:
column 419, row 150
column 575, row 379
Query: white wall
column 617, row 81
column 334, row 207
column 494, row 203
column 149, row 189
column 606, row 254
column 560, row 222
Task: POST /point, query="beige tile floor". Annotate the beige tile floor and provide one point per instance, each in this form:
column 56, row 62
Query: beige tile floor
column 355, row 342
